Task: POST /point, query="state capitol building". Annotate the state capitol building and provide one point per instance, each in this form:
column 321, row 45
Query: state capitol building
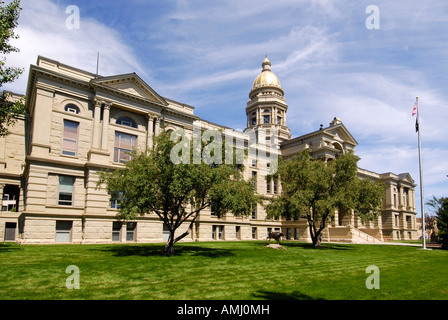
column 78, row 123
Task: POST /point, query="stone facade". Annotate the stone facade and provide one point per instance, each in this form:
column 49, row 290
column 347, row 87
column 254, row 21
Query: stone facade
column 78, row 123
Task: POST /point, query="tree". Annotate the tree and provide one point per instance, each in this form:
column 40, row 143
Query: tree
column 315, row 189
column 152, row 183
column 440, row 210
column 9, row 110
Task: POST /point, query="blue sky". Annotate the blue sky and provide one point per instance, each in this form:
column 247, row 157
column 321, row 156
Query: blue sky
column 207, row 54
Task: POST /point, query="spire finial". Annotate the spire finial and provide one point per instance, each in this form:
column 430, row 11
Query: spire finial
column 266, row 63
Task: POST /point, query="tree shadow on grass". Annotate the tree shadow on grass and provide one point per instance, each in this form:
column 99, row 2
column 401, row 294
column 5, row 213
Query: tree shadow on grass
column 7, row 247
column 272, row 295
column 152, row 250
column 324, row 246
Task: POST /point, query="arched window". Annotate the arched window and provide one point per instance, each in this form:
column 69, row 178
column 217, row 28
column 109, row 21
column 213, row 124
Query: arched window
column 126, row 121
column 71, row 108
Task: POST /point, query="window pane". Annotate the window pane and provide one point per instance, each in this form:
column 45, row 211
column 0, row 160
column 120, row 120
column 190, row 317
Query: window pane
column 70, row 138
column 124, row 144
column 63, row 231
column 126, row 121
column 66, row 184
column 71, row 108
column 66, row 190
column 69, row 147
column 70, row 129
column 65, row 199
column 266, row 119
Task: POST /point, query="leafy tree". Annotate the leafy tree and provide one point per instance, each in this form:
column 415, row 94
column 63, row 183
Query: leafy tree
column 152, row 183
column 9, row 110
column 313, row 189
column 440, row 209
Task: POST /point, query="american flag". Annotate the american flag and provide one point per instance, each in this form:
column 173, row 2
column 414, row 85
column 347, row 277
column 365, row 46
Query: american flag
column 414, row 111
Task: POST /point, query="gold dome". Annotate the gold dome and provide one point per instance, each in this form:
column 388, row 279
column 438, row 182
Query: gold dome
column 266, row 79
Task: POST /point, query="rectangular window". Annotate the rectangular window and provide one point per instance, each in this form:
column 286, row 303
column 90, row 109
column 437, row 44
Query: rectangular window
column 288, row 233
column 238, row 232
column 254, row 212
column 124, row 144
column 115, row 203
column 10, row 231
column 254, row 177
column 217, row 232
column 116, row 231
column 275, row 186
column 165, row 233
column 296, row 234
column 254, row 233
column 70, row 138
column 130, row 231
column 63, row 230
column 66, row 190
column 214, row 232
column 254, row 162
column 268, row 186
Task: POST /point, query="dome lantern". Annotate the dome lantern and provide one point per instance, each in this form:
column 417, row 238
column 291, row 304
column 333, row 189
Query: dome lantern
column 266, row 82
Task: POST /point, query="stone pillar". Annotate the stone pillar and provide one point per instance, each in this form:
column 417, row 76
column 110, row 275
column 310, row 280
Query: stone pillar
column 41, row 117
column 274, row 116
column 150, row 131
column 96, row 140
column 106, row 119
column 157, row 126
column 2, row 186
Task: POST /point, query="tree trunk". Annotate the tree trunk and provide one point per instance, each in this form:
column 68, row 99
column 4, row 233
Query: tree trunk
column 169, row 246
column 316, row 234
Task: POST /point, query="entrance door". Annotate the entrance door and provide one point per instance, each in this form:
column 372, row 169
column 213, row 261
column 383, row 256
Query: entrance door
column 10, row 231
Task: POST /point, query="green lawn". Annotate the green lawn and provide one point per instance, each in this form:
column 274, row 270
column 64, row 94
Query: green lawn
column 222, row 270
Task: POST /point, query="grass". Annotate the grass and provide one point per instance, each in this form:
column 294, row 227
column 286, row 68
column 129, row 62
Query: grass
column 222, row 270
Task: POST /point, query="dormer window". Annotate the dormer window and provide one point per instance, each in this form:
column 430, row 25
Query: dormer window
column 71, row 108
column 126, row 121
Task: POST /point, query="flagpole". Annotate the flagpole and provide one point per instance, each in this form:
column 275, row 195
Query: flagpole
column 422, row 198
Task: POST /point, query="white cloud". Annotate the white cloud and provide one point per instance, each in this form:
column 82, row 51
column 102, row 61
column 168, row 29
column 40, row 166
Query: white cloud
column 42, row 30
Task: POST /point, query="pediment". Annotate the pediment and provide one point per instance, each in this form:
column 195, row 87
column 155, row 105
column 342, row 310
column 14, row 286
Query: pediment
column 131, row 84
column 340, row 132
column 406, row 177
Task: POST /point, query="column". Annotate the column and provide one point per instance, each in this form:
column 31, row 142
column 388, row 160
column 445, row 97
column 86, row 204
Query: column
column 150, row 131
column 157, row 127
column 2, row 186
column 106, row 119
column 96, row 140
column 274, row 116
